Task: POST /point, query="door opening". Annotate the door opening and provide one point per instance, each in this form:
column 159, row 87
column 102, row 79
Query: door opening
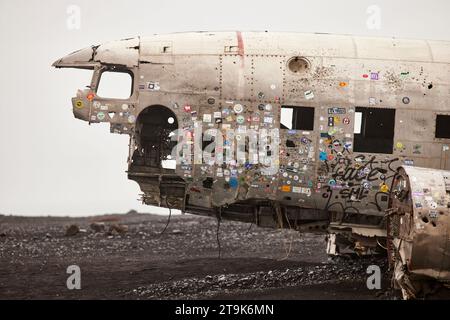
column 154, row 130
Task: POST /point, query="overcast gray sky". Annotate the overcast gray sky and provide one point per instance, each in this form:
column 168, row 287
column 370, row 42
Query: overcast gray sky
column 52, row 163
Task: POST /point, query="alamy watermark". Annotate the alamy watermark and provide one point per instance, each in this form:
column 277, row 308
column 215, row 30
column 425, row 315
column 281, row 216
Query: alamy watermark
column 374, row 280
column 74, row 280
column 238, row 146
column 374, row 19
column 73, row 21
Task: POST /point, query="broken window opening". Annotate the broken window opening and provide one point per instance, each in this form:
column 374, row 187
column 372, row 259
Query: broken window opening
column 154, row 131
column 374, row 130
column 297, row 118
column 115, row 84
column 442, row 126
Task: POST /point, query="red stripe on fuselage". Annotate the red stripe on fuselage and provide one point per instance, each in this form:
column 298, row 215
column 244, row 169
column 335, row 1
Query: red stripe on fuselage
column 240, row 43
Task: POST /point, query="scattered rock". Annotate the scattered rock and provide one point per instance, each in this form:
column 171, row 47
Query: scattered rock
column 98, row 226
column 117, row 229
column 72, row 230
column 2, row 234
column 176, row 231
column 48, row 236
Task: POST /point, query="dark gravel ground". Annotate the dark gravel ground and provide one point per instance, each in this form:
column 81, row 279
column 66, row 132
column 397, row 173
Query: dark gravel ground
column 130, row 259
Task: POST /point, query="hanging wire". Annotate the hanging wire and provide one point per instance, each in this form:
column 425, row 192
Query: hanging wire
column 219, row 218
column 168, row 219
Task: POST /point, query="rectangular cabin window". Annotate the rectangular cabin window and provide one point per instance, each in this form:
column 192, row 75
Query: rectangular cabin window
column 297, row 118
column 115, row 85
column 374, row 130
column 442, row 126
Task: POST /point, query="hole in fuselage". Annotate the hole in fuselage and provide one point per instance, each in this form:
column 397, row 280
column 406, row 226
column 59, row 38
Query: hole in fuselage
column 154, row 130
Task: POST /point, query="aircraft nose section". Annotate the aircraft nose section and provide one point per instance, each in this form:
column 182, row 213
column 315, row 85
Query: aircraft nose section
column 122, row 52
column 83, row 58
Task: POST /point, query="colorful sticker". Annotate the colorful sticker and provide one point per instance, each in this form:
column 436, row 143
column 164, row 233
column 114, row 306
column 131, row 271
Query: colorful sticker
column 207, row 117
column 268, row 119
column 100, row 116
column 131, row 119
column 79, row 104
column 238, row 108
column 153, row 86
column 309, row 95
column 336, row 110
column 331, row 121
column 384, row 188
column 240, row 119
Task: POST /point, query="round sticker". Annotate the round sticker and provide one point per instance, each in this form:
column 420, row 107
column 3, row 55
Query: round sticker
column 261, row 107
column 90, row 96
column 233, row 183
column 399, row 145
column 268, row 107
column 79, row 104
column 240, row 119
column 100, row 116
column 346, row 121
column 238, row 108
column 97, row 105
column 124, row 107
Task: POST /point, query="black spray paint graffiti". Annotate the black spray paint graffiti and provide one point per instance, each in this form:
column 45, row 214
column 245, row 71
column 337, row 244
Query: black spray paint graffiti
column 353, row 180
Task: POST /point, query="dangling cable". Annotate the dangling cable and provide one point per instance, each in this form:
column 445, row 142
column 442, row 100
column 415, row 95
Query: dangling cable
column 219, row 218
column 288, row 252
column 168, row 219
column 250, row 227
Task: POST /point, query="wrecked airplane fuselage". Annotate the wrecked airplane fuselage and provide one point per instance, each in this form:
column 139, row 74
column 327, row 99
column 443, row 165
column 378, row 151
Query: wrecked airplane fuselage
column 302, row 131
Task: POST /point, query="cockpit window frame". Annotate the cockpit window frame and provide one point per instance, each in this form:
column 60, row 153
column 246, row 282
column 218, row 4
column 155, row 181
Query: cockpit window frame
column 97, row 76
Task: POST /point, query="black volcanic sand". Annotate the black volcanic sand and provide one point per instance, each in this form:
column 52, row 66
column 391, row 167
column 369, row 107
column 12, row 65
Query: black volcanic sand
column 182, row 263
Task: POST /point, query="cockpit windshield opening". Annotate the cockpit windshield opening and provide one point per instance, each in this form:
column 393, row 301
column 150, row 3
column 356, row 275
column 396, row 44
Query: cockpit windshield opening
column 115, row 85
